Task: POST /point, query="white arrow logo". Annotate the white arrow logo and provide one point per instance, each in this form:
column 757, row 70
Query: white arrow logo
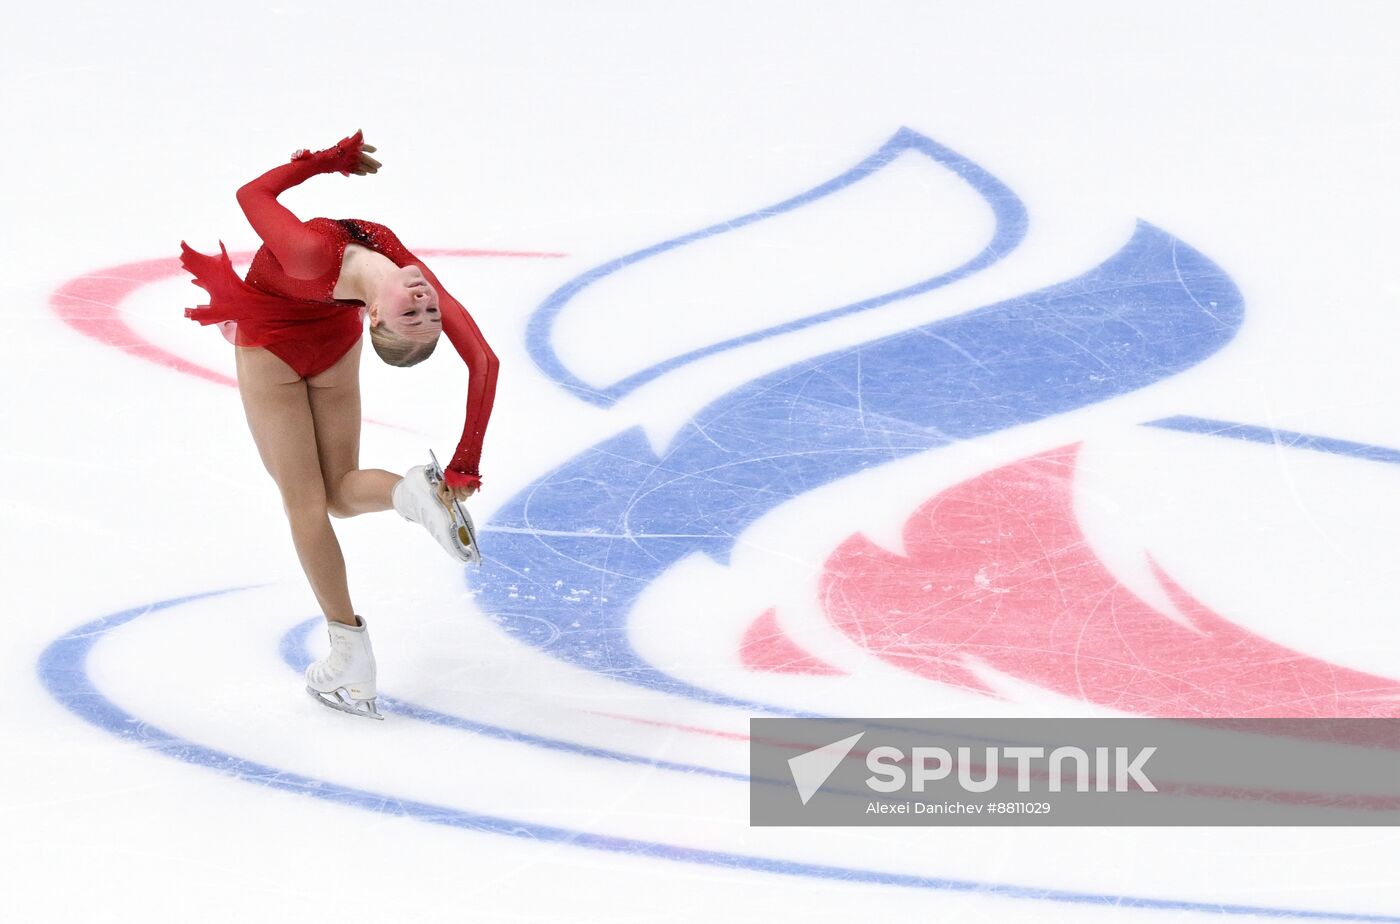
column 811, row 770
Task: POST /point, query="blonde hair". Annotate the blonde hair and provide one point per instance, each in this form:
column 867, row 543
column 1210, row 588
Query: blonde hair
column 399, row 351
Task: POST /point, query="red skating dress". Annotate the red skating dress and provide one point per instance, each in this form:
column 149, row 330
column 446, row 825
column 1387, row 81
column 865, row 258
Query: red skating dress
column 286, row 304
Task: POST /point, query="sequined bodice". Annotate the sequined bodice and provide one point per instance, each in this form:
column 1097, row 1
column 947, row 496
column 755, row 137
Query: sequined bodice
column 331, row 238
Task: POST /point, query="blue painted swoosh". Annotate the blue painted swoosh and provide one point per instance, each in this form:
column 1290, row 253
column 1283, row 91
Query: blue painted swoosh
column 63, row 671
column 608, row 522
column 1010, row 229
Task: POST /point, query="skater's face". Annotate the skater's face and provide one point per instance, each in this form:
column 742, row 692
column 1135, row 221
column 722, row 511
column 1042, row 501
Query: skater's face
column 407, row 307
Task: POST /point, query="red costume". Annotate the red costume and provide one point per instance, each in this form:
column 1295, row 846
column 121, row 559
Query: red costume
column 286, row 302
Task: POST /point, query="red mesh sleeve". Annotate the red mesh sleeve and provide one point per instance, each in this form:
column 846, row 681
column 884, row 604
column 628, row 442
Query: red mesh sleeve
column 482, row 366
column 302, row 252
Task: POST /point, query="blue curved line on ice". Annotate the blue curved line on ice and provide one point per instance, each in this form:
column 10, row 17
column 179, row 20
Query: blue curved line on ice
column 570, row 555
column 1286, row 439
column 63, row 671
column 292, row 647
column 1008, row 210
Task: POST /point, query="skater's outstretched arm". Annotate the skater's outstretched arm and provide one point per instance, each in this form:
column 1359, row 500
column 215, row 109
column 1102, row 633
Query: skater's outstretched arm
column 482, row 367
column 302, row 252
column 463, row 473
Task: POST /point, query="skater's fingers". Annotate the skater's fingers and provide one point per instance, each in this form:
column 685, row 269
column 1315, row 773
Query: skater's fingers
column 448, row 495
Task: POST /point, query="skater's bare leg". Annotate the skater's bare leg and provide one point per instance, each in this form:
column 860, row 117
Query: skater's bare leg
column 278, row 407
column 335, row 413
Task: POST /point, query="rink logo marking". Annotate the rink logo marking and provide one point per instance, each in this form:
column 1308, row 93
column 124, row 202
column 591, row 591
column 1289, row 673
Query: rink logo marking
column 1154, row 309
column 63, row 671
column 1008, row 212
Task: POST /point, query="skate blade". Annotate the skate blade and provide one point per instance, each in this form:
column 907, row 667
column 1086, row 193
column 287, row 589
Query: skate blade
column 463, row 529
column 341, row 702
column 464, row 534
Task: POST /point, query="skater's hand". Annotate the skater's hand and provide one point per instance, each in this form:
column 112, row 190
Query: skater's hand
column 448, row 495
column 349, row 156
column 366, row 163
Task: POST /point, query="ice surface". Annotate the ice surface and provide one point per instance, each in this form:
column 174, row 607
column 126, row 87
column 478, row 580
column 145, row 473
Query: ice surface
column 767, row 431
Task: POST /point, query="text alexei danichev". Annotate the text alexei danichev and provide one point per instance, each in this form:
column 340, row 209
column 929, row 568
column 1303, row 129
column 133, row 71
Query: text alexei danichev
column 957, row 808
column 924, row 808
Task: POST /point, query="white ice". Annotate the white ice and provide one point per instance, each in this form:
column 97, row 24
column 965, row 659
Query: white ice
column 1263, row 134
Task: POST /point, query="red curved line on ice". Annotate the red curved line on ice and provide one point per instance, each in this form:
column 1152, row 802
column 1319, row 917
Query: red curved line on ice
column 91, row 305
column 997, row 572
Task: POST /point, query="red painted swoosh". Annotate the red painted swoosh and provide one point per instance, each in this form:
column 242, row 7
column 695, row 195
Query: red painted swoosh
column 766, row 647
column 999, row 573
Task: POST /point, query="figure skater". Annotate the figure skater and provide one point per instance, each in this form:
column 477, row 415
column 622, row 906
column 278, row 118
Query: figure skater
column 296, row 322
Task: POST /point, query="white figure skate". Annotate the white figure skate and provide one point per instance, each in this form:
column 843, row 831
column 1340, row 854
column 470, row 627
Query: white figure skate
column 417, row 500
column 344, row 679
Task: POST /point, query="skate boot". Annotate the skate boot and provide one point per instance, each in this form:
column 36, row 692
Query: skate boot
column 344, row 679
column 417, row 500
